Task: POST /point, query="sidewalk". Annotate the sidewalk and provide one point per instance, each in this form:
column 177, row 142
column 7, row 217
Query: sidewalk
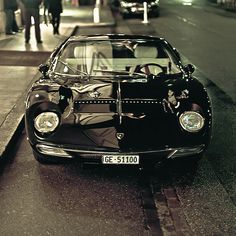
column 19, row 64
column 220, row 9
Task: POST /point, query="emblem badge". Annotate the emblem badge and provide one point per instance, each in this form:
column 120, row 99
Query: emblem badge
column 119, row 136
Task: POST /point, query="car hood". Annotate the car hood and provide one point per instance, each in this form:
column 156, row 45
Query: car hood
column 98, row 100
column 118, row 114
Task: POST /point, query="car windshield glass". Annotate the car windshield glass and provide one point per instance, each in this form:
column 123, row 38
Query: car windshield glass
column 115, row 58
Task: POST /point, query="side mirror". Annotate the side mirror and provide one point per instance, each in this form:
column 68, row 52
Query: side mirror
column 189, row 68
column 43, row 69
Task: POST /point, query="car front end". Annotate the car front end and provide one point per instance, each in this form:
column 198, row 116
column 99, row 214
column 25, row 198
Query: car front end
column 131, row 7
column 114, row 116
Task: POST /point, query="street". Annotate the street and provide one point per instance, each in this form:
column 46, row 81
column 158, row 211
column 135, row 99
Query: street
column 71, row 199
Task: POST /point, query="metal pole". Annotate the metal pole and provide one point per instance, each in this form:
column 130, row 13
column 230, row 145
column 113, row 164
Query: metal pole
column 2, row 17
column 145, row 13
column 96, row 12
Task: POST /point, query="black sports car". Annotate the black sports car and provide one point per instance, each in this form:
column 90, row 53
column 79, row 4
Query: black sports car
column 117, row 99
column 136, row 7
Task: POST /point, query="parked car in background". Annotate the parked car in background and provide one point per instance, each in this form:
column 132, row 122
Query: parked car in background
column 136, row 7
column 117, row 99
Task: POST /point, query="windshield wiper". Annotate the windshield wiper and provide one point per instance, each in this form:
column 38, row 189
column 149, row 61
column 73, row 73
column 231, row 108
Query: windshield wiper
column 75, row 70
column 121, row 73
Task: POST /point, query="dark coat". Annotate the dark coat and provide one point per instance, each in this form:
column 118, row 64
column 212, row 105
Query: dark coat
column 31, row 3
column 10, row 5
column 54, row 6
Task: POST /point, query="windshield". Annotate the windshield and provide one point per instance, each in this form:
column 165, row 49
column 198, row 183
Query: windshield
column 109, row 58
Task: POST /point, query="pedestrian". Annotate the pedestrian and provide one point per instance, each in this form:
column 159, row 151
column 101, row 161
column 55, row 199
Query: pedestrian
column 55, row 9
column 114, row 6
column 10, row 6
column 45, row 12
column 21, row 7
column 31, row 9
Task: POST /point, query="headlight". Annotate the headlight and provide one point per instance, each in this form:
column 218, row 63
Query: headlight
column 191, row 121
column 46, row 122
column 126, row 4
column 154, row 3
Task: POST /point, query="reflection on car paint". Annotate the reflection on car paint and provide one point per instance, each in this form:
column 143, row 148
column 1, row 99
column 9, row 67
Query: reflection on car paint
column 172, row 101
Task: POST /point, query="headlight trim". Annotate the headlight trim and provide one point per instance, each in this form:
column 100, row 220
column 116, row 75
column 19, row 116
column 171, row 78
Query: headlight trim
column 46, row 122
column 185, row 122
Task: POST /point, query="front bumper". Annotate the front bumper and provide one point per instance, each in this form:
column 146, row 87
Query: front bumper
column 88, row 155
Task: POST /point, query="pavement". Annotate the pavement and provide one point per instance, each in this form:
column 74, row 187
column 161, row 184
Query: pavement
column 19, row 63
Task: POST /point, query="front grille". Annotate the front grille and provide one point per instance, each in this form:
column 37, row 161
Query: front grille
column 114, row 101
column 93, row 101
column 117, row 106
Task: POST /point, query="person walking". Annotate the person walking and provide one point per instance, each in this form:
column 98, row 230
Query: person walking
column 10, row 6
column 31, row 9
column 55, row 9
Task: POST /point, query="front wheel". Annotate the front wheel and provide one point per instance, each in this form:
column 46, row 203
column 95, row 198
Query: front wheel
column 156, row 13
column 125, row 15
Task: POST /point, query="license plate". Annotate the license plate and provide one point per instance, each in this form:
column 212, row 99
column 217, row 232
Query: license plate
column 120, row 159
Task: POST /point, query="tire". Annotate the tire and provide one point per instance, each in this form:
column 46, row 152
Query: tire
column 125, row 16
column 47, row 160
column 155, row 14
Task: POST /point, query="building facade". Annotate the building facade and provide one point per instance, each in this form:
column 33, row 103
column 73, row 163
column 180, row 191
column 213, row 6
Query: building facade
column 2, row 17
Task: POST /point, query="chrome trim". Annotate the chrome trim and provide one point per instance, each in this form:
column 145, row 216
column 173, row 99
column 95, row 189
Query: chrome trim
column 173, row 152
column 120, row 136
column 119, row 103
column 53, row 151
column 195, row 113
column 37, row 123
column 115, row 101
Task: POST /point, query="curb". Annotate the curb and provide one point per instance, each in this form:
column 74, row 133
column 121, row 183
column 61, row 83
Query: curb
column 101, row 24
column 221, row 9
column 13, row 124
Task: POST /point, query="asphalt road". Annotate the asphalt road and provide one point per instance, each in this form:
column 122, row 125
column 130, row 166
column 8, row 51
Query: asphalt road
column 205, row 37
column 70, row 200
column 66, row 199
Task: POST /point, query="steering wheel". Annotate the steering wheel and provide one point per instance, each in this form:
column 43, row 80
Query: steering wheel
column 148, row 65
